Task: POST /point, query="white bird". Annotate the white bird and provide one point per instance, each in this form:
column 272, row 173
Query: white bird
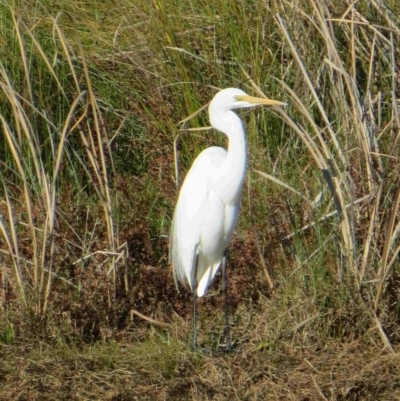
column 208, row 205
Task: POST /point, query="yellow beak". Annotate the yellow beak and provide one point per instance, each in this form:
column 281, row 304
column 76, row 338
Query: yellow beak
column 258, row 100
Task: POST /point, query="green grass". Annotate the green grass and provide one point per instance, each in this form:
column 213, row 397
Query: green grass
column 92, row 94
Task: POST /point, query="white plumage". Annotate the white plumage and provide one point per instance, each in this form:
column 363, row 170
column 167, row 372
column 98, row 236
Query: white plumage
column 208, row 206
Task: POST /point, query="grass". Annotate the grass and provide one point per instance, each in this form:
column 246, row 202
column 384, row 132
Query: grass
column 91, row 99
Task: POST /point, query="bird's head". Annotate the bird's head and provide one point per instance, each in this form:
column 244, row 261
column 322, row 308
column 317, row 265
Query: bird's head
column 233, row 98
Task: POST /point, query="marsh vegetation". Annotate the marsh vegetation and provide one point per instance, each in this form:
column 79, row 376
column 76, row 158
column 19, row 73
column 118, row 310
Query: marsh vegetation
column 91, row 96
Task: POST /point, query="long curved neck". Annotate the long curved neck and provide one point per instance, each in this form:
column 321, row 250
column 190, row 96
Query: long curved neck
column 233, row 170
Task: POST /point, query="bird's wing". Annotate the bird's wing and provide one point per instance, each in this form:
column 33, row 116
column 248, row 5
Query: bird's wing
column 196, row 207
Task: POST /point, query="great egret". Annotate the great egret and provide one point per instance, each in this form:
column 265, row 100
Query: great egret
column 208, row 205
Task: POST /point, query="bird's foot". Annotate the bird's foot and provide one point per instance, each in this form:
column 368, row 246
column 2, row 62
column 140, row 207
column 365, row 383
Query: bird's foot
column 223, row 349
column 228, row 348
column 202, row 350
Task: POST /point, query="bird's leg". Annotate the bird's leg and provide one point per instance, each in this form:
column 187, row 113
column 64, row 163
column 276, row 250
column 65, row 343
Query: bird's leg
column 225, row 291
column 195, row 263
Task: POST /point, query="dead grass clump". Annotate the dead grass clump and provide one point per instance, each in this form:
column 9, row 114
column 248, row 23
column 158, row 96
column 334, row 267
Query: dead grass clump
column 351, row 371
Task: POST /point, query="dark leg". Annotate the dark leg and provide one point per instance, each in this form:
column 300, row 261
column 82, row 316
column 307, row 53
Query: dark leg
column 225, row 291
column 195, row 263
